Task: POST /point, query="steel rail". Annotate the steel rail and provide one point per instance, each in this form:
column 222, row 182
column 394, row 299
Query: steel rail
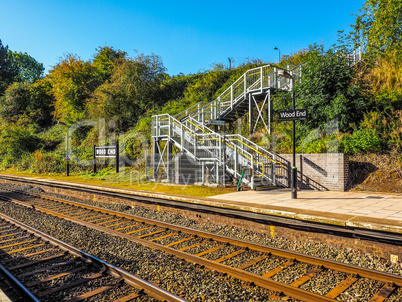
column 149, row 288
column 346, row 268
column 294, row 223
column 272, row 285
column 239, row 274
column 21, row 289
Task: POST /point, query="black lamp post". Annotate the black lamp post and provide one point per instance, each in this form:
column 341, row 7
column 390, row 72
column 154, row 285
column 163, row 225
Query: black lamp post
column 276, row 48
column 67, row 154
column 286, row 74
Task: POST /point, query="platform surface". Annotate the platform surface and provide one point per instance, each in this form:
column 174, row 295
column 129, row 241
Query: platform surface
column 380, row 211
column 368, row 204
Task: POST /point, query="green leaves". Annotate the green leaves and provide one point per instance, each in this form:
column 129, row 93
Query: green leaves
column 378, row 26
column 8, row 70
column 28, row 69
column 363, row 140
column 326, row 89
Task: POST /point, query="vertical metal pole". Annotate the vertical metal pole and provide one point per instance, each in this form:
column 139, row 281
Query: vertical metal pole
column 275, row 78
column 261, row 79
column 169, row 126
column 252, row 172
column 94, row 160
column 168, row 161
column 294, row 168
column 269, row 111
column 195, row 145
column 224, row 158
column 156, row 158
column 231, row 97
column 182, row 136
column 245, row 84
column 117, row 155
column 156, row 126
column 235, row 159
column 67, row 155
column 145, row 161
column 203, row 172
column 250, row 114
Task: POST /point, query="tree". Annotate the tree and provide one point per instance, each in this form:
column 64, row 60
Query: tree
column 72, row 80
column 34, row 100
column 105, row 60
column 7, row 69
column 378, row 26
column 134, row 88
column 327, row 92
column 28, row 69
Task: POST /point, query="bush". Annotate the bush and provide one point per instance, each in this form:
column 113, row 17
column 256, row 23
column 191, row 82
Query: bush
column 363, row 140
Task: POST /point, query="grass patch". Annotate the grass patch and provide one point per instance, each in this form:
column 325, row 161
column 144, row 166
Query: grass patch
column 129, row 179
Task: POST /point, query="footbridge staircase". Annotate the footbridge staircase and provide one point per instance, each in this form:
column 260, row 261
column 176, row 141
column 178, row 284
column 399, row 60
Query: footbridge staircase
column 188, row 148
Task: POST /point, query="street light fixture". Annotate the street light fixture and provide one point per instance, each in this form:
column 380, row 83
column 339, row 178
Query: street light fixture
column 288, row 75
column 67, row 153
column 276, row 48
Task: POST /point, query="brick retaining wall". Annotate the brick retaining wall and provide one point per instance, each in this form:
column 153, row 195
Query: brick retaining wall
column 320, row 171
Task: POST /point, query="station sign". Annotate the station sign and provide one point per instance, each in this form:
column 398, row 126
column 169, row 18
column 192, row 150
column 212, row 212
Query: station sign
column 291, row 115
column 105, row 151
column 217, row 122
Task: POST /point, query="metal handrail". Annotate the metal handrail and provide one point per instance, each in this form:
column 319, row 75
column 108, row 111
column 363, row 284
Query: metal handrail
column 243, row 143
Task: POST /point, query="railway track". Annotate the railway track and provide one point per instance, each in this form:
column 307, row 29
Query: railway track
column 257, row 264
column 42, row 268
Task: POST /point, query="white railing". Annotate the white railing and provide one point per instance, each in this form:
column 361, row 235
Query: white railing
column 355, row 56
column 253, row 80
column 235, row 152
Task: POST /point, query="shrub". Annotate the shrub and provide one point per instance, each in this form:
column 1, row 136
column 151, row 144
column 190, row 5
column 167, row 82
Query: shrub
column 363, row 140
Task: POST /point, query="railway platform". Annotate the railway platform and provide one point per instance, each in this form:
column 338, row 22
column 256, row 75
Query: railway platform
column 364, row 210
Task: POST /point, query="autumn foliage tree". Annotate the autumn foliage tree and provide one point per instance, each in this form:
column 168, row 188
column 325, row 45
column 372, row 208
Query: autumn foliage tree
column 72, row 80
column 134, row 88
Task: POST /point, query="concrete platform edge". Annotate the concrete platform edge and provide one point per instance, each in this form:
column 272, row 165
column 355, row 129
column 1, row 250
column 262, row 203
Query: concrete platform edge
column 315, row 216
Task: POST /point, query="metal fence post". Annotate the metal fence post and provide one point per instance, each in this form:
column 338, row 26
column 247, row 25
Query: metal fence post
column 94, row 159
column 117, row 156
column 252, row 172
column 261, row 83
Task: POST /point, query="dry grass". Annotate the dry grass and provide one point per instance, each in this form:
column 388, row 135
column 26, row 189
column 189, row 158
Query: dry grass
column 376, row 173
column 124, row 181
column 386, row 76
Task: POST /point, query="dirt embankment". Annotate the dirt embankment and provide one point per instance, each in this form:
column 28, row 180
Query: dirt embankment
column 376, row 173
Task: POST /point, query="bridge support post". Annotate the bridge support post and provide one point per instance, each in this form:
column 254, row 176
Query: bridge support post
column 169, row 161
column 155, row 158
column 269, row 112
column 250, row 112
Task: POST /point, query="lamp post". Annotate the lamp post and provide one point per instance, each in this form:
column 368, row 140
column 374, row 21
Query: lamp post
column 276, row 48
column 67, row 154
column 286, row 74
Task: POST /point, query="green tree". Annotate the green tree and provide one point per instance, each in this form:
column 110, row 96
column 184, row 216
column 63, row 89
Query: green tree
column 207, row 86
column 327, row 92
column 18, row 139
column 73, row 81
column 378, row 26
column 28, row 69
column 34, row 100
column 7, row 69
column 105, row 60
column 133, row 89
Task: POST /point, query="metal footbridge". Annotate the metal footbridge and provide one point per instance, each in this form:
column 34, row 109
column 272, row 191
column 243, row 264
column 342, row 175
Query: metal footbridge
column 187, row 147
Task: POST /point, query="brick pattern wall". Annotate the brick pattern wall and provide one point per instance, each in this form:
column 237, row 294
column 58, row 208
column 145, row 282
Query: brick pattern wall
column 320, row 171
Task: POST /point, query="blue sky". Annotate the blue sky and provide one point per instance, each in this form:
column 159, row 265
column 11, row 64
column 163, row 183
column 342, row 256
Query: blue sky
column 189, row 36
